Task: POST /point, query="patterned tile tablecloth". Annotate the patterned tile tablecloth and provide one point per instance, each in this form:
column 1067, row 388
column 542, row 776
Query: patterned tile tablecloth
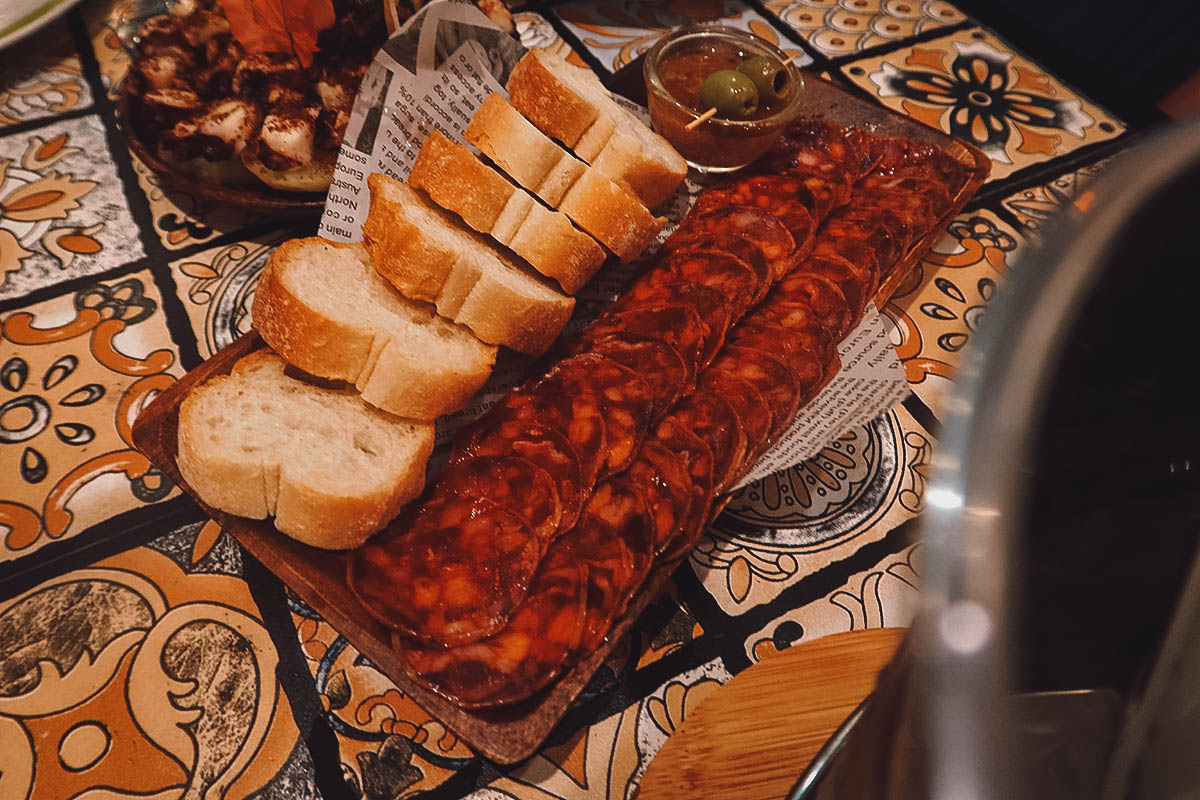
column 143, row 653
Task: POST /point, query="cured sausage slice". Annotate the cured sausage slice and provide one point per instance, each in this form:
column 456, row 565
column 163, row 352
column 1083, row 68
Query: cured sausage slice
column 789, row 199
column 667, row 486
column 713, row 308
column 804, row 351
column 758, row 228
column 851, row 280
column 712, row 418
column 677, row 324
column 771, row 376
column 750, row 406
column 625, row 402
column 888, row 233
column 610, row 567
column 934, row 192
column 718, row 271
column 745, row 252
column 894, row 155
column 526, row 655
column 621, row 503
column 657, row 362
column 578, row 417
column 546, row 447
column 512, row 483
column 851, row 243
column 455, row 576
column 698, row 458
column 812, row 142
column 822, row 295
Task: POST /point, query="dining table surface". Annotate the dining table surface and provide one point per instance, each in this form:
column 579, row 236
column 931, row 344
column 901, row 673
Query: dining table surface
column 144, row 653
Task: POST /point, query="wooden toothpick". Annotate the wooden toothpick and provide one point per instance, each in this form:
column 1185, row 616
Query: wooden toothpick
column 707, row 115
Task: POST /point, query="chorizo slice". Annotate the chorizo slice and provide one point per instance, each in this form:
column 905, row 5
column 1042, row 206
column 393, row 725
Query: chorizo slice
column 852, row 244
column 545, row 447
column 719, row 271
column 621, row 503
column 576, row 417
column 744, row 251
column 788, row 198
column 822, row 295
column 657, row 362
column 758, row 228
column 626, row 403
column 804, row 351
column 932, row 191
column 511, row 482
column 713, row 308
column 750, row 406
column 770, row 375
column 808, row 141
column 610, row 567
column 455, row 576
column 677, row 324
column 524, row 657
column 698, row 458
column 667, row 486
column 890, row 233
column 850, row 279
column 711, row 417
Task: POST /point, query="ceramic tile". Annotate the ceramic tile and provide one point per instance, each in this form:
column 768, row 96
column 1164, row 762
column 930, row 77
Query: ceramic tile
column 47, row 80
column 937, row 310
column 974, row 86
column 607, row 759
column 618, row 31
column 842, row 27
column 132, row 661
column 388, row 745
column 534, row 30
column 74, row 373
column 217, row 288
column 885, row 596
column 786, row 526
column 63, row 213
column 1038, row 205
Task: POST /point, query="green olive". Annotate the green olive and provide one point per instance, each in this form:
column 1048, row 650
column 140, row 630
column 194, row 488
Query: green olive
column 769, row 76
column 731, row 93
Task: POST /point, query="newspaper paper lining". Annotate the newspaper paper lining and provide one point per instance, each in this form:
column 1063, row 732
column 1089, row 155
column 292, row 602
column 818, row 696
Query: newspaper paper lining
column 433, row 74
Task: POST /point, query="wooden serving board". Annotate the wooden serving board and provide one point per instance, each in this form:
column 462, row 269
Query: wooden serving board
column 754, row 737
column 318, row 576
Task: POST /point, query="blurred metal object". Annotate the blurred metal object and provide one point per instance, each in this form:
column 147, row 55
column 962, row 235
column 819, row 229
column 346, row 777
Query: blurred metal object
column 953, row 727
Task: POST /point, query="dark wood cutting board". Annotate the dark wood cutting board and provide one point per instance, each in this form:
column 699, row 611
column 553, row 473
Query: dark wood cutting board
column 318, row 576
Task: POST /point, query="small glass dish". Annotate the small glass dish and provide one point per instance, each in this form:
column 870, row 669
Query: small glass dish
column 683, row 59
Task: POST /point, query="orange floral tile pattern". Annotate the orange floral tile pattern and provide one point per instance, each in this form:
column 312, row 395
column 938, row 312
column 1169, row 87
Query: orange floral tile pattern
column 618, row 31
column 938, row 308
column 62, row 210
column 884, row 596
column 779, row 529
column 132, row 661
column 75, row 372
column 1037, row 206
column 48, row 81
column 973, row 86
column 841, row 27
column 217, row 289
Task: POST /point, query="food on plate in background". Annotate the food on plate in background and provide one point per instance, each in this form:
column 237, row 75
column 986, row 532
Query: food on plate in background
column 234, row 90
column 328, row 467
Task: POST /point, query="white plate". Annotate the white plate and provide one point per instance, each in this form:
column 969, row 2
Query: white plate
column 19, row 18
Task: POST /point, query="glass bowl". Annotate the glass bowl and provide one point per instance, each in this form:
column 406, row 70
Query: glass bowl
column 716, row 144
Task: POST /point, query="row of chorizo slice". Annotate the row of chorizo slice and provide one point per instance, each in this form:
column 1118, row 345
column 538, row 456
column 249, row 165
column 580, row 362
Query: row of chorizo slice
column 592, row 409
column 516, row 566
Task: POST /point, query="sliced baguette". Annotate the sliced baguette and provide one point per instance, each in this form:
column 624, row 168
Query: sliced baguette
column 458, row 181
column 429, row 255
column 324, row 308
column 593, row 202
column 331, row 469
column 570, row 104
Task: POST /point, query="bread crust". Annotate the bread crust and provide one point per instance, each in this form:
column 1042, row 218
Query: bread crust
column 312, row 501
column 388, row 376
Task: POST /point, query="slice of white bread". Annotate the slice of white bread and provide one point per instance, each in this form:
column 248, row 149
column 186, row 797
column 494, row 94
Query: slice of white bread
column 429, row 255
column 331, row 469
column 570, row 104
column 458, row 181
column 324, row 308
column 593, row 202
